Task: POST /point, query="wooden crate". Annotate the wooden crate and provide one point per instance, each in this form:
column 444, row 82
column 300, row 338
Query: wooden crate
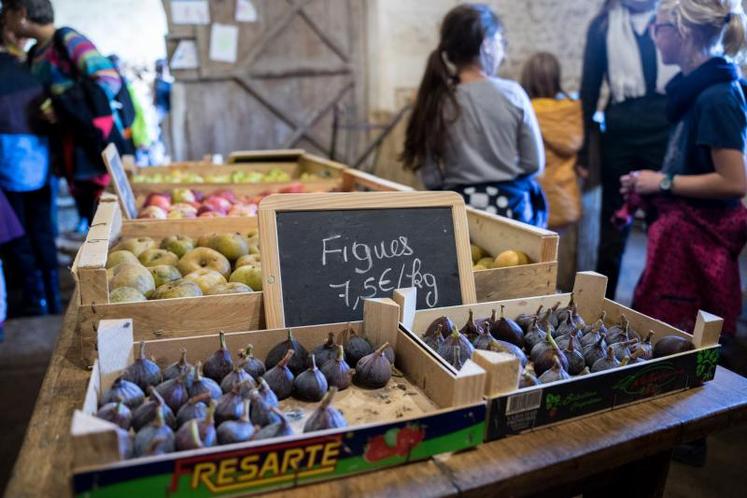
column 295, row 162
column 161, row 318
column 413, row 413
column 512, row 410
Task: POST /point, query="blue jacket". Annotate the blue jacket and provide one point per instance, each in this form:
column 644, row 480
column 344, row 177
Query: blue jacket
column 24, row 149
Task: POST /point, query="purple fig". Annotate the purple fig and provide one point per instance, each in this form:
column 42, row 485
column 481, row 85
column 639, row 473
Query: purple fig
column 297, row 362
column 337, row 371
column 156, row 438
column 280, row 377
column 129, row 392
column 142, row 371
column 146, row 413
column 117, row 413
column 325, row 416
column 236, row 431
column 310, row 385
column 220, row 363
column 202, row 384
column 252, row 365
column 374, row 370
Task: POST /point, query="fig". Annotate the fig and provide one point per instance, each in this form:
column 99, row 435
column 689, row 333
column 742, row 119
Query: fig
column 266, row 393
column 202, row 384
column 671, row 344
column 310, row 385
column 129, row 392
column 252, row 365
column 142, row 371
column 441, row 324
column 374, row 370
column 499, row 346
column 527, row 379
column 470, row 329
column 220, row 363
column 188, row 436
column 525, row 319
column 195, row 408
column 599, row 325
column 237, row 376
column 622, row 349
column 434, row 340
column 595, row 352
column 564, row 313
column 482, row 340
column 156, row 438
column 325, row 416
column 575, row 359
column 280, row 377
column 644, row 350
column 116, row 412
column 608, row 362
column 206, row 426
column 260, row 412
column 446, row 351
column 544, row 353
column 534, row 334
column 178, row 367
column 564, row 340
column 566, row 327
column 236, row 431
column 337, row 371
column 174, row 392
column 594, row 336
column 507, row 330
column 554, row 373
column 326, row 351
column 356, row 347
column 147, row 412
column 229, row 406
column 296, row 363
column 278, row 429
column 553, row 315
column 615, row 334
column 456, row 358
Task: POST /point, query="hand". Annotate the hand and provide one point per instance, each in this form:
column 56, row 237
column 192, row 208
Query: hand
column 642, row 182
column 582, row 171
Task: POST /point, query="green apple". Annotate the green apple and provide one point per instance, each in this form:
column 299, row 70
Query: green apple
column 136, row 276
column 126, row 295
column 248, row 274
column 155, row 257
column 231, row 245
column 229, row 288
column 136, row 245
column 248, row 259
column 178, row 244
column 118, row 257
column 180, row 288
column 163, row 274
column 205, row 278
column 477, row 253
column 204, row 257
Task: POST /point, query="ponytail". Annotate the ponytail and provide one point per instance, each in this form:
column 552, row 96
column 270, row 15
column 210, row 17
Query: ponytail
column 734, row 39
column 427, row 130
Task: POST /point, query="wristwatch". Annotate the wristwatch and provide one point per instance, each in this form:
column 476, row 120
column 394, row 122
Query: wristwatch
column 665, row 185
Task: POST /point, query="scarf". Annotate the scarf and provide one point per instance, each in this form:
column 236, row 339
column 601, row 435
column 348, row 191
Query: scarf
column 683, row 90
column 624, row 67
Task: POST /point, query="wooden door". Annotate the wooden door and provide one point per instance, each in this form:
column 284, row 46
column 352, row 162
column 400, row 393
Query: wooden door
column 299, row 60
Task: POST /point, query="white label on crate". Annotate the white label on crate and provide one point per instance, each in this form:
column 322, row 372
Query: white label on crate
column 524, row 402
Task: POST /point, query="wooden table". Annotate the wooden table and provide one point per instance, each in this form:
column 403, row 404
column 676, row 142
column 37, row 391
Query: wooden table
column 639, row 437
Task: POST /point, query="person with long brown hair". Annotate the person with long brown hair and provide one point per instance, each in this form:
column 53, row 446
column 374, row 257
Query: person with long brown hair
column 472, row 132
column 561, row 123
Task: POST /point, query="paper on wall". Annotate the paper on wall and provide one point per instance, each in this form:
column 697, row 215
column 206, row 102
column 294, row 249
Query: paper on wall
column 190, row 12
column 185, row 56
column 224, row 42
column 245, row 11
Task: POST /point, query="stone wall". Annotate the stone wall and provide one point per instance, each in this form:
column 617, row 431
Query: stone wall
column 403, row 32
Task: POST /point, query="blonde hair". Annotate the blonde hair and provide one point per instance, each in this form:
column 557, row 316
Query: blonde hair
column 711, row 24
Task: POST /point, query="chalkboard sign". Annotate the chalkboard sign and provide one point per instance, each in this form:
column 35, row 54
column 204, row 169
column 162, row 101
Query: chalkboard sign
column 121, row 184
column 323, row 254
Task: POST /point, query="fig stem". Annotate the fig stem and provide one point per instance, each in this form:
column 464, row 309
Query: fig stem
column 222, row 339
column 380, row 349
column 288, row 354
column 340, row 353
column 327, row 400
column 313, row 362
column 330, row 340
column 155, row 394
column 141, row 350
column 200, row 397
column 210, row 417
column 502, row 307
column 183, row 358
column 245, row 413
column 249, row 351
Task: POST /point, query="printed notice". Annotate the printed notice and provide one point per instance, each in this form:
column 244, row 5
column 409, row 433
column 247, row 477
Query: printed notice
column 224, row 42
column 185, row 56
column 190, row 12
column 245, row 11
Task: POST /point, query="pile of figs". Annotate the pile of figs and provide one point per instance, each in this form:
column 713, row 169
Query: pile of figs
column 225, row 400
column 552, row 344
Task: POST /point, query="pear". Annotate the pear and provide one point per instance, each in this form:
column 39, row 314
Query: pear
column 136, row 276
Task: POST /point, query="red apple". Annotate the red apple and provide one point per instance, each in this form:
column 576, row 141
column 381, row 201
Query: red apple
column 243, row 210
column 161, row 200
column 218, row 203
column 182, row 210
column 293, row 188
column 152, row 212
column 227, row 195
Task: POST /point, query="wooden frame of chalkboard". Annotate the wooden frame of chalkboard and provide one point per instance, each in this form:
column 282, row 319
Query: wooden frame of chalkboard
column 121, row 184
column 367, row 242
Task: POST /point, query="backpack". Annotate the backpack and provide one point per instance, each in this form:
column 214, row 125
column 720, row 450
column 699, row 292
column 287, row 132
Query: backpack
column 86, row 108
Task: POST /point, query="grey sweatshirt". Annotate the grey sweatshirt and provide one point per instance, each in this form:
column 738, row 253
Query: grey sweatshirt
column 495, row 139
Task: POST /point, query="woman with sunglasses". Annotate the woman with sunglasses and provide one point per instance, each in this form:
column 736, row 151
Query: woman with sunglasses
column 620, row 51
column 695, row 200
column 472, row 132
